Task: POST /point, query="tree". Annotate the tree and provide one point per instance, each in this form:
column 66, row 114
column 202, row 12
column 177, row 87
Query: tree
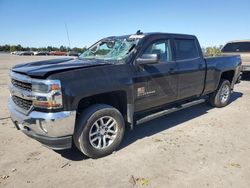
column 6, row 48
column 78, row 50
column 33, row 49
column 84, row 49
column 63, row 49
column 213, row 51
column 19, row 48
column 13, row 48
column 49, row 48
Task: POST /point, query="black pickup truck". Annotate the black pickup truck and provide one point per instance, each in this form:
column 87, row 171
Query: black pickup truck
column 119, row 81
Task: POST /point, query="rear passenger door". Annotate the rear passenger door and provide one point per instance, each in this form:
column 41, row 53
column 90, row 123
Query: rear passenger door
column 191, row 67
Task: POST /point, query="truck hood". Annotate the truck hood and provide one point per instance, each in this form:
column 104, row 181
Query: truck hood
column 41, row 69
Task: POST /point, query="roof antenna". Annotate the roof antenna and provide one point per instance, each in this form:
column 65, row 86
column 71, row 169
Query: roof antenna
column 139, row 32
column 67, row 34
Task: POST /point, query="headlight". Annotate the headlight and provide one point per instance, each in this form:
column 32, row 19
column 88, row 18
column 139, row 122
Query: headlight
column 47, row 94
column 46, row 86
column 40, row 87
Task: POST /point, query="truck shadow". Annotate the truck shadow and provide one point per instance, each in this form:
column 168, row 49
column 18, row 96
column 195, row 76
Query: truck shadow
column 153, row 127
column 169, row 121
column 245, row 77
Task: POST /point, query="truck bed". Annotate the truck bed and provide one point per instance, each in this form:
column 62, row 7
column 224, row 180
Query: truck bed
column 214, row 67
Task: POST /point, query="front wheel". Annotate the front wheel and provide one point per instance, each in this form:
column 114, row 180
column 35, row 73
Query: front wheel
column 99, row 130
column 221, row 96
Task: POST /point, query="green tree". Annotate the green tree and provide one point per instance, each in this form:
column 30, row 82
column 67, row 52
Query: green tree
column 63, row 49
column 33, row 49
column 13, row 48
column 19, row 48
column 6, row 48
column 213, row 51
column 49, row 48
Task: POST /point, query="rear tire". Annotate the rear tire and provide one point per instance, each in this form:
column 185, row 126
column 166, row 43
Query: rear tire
column 221, row 96
column 99, row 130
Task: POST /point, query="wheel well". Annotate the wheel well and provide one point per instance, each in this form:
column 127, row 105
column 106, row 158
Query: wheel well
column 228, row 75
column 117, row 99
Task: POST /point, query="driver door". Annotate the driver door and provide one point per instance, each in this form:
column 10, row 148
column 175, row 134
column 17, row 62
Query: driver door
column 160, row 84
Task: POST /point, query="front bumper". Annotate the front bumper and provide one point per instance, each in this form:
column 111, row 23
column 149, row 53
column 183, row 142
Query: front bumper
column 55, row 143
column 53, row 130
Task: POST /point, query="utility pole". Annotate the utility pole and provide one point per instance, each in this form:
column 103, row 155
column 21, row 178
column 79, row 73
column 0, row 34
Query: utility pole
column 67, row 33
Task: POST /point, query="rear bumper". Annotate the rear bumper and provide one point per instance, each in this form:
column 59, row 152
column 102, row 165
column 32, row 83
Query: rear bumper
column 53, row 130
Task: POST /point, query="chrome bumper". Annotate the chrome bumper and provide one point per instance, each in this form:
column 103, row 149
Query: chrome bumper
column 41, row 124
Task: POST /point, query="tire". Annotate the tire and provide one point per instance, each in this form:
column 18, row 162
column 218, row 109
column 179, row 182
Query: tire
column 221, row 96
column 104, row 140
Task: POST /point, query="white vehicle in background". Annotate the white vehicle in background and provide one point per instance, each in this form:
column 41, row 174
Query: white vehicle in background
column 13, row 53
column 35, row 53
column 242, row 48
column 18, row 52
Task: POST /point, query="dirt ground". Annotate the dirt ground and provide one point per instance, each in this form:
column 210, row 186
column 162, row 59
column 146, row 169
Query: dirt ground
column 196, row 147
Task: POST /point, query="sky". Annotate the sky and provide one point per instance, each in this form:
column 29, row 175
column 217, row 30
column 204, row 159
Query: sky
column 40, row 23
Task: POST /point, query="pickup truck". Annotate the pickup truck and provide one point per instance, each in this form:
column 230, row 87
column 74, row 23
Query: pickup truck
column 239, row 47
column 119, row 82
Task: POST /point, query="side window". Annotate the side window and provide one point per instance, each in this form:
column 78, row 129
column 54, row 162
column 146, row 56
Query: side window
column 186, row 49
column 161, row 47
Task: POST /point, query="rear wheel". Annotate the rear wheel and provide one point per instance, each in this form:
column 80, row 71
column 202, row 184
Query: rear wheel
column 99, row 130
column 221, row 96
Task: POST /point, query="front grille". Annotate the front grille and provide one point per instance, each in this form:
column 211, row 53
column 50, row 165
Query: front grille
column 22, row 103
column 21, row 85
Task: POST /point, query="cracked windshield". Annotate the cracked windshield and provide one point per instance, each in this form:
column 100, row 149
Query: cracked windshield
column 111, row 49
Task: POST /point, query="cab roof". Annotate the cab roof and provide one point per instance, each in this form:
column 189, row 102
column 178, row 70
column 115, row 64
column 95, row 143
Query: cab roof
column 234, row 41
column 154, row 34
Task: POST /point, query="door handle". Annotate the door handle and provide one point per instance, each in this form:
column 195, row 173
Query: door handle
column 200, row 66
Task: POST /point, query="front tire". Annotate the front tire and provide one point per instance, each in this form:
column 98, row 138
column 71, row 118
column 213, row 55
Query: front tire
column 99, row 130
column 221, row 96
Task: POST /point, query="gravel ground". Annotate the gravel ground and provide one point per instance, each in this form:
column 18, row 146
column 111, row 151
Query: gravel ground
column 196, row 147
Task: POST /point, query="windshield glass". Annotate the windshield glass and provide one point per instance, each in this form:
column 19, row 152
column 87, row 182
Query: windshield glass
column 111, row 49
column 237, row 47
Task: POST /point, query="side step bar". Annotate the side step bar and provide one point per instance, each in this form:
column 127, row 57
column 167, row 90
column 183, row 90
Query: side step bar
column 168, row 111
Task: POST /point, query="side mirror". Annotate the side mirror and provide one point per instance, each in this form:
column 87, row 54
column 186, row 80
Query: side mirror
column 148, row 59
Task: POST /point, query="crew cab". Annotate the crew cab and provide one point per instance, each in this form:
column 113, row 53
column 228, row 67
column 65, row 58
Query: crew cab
column 119, row 81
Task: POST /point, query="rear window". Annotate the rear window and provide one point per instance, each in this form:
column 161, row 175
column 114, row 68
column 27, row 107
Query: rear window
column 237, row 47
column 186, row 49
